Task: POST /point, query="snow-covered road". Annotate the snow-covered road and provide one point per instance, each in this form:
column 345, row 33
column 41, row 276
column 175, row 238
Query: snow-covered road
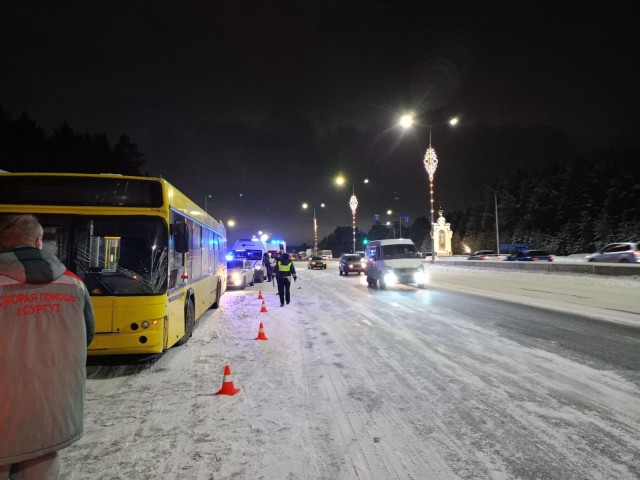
column 355, row 383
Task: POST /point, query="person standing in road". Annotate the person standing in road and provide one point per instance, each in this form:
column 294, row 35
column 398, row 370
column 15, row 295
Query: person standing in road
column 266, row 261
column 276, row 258
column 285, row 270
column 46, row 320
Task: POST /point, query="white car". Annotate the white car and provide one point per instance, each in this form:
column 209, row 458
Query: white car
column 240, row 273
column 621, row 252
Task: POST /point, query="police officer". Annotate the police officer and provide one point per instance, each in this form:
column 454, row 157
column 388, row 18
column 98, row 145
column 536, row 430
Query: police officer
column 284, row 271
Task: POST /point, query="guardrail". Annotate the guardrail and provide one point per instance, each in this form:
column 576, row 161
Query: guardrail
column 557, row 267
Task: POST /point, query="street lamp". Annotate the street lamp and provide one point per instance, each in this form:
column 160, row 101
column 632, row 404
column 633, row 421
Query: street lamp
column 353, row 203
column 430, row 164
column 315, row 227
column 206, row 197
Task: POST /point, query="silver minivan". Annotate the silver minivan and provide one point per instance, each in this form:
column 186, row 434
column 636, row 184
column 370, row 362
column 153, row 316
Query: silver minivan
column 621, row 252
column 393, row 261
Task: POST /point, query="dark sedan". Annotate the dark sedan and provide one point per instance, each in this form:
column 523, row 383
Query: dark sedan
column 351, row 263
column 316, row 262
column 530, row 256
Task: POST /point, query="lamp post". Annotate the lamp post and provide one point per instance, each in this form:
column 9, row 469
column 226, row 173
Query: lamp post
column 206, row 197
column 315, row 227
column 430, row 164
column 353, row 203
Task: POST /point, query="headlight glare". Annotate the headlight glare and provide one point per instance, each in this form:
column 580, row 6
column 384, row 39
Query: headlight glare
column 390, row 278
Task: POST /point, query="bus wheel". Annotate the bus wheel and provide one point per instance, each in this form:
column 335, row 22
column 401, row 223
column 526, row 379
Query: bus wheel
column 189, row 322
column 216, row 304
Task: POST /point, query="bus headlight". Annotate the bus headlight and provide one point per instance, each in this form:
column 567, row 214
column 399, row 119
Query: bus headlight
column 145, row 324
column 418, row 277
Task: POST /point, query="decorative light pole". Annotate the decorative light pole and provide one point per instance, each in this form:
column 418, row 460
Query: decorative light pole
column 206, row 197
column 315, row 227
column 430, row 164
column 353, row 203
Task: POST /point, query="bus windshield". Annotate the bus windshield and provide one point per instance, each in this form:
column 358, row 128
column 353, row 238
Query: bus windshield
column 113, row 255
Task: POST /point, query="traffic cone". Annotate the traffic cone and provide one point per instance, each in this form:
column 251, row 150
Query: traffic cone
column 227, row 384
column 260, row 297
column 261, row 335
column 264, row 307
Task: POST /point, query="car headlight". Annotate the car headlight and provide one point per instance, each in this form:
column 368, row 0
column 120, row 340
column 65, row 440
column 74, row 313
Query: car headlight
column 390, row 278
column 235, row 276
column 418, row 276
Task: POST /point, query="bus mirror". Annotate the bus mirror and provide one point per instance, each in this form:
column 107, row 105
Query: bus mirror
column 181, row 236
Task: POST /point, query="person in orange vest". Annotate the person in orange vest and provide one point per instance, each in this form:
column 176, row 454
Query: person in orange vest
column 284, row 271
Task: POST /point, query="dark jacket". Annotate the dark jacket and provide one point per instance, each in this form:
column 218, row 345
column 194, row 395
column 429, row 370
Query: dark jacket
column 46, row 324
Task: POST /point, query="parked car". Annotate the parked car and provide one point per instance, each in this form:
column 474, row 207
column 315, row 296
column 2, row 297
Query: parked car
column 621, row 252
column 351, row 263
column 484, row 255
column 530, row 256
column 316, row 261
column 240, row 272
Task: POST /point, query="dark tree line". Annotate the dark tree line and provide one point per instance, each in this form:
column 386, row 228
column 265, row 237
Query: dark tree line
column 573, row 208
column 25, row 146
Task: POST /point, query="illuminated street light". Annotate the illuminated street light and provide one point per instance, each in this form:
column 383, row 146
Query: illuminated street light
column 430, row 164
column 340, row 180
column 231, row 222
column 315, row 227
column 206, row 197
column 353, row 203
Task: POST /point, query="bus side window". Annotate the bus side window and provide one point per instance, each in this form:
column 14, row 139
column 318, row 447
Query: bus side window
column 181, row 236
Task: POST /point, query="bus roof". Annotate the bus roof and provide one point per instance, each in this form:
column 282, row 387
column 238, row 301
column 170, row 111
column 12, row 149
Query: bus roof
column 40, row 192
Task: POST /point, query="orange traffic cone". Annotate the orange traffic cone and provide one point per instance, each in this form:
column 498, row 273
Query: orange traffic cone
column 261, row 335
column 264, row 307
column 227, row 383
column 260, row 297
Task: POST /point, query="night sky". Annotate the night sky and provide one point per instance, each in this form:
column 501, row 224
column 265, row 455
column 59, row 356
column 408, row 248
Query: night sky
column 262, row 103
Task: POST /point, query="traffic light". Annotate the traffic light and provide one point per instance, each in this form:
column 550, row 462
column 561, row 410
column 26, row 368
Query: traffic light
column 365, row 241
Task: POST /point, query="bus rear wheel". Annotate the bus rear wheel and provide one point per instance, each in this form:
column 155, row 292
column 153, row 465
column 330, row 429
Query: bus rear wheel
column 189, row 322
column 216, row 304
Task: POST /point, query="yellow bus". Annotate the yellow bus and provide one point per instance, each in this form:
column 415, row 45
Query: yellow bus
column 152, row 259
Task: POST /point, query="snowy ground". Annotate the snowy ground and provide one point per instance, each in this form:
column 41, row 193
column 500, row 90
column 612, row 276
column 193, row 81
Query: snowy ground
column 355, row 383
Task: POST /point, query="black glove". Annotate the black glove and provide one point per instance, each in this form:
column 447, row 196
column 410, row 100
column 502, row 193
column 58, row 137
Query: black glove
column 295, row 277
